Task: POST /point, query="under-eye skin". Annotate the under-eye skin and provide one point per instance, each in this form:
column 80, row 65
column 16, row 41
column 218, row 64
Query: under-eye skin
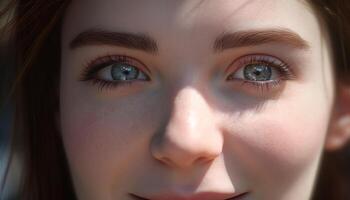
column 262, row 72
column 114, row 71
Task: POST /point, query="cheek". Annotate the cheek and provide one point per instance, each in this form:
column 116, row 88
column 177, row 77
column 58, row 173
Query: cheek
column 281, row 143
column 96, row 143
column 296, row 129
column 287, row 139
column 103, row 137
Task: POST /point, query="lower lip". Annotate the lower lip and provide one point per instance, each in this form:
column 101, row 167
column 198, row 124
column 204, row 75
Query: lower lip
column 239, row 197
column 137, row 197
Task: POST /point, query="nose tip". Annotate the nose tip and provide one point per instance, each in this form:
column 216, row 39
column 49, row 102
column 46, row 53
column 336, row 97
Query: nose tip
column 191, row 136
column 184, row 154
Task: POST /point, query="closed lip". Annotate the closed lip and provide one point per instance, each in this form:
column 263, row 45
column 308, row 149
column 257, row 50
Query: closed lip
column 200, row 196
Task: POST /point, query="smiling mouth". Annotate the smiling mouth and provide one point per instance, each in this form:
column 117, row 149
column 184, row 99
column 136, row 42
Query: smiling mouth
column 236, row 197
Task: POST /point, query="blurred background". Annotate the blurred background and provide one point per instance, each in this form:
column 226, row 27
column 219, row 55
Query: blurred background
column 6, row 112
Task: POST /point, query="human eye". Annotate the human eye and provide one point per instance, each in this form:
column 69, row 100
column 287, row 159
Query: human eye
column 114, row 71
column 260, row 72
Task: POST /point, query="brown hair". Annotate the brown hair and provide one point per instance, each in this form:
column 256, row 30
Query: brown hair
column 37, row 32
column 36, row 26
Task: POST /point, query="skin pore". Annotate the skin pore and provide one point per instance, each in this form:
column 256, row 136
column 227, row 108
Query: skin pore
column 223, row 98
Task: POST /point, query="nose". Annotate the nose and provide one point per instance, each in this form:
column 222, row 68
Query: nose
column 191, row 135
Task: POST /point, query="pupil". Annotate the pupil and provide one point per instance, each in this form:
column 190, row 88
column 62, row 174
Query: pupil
column 123, row 72
column 126, row 72
column 257, row 72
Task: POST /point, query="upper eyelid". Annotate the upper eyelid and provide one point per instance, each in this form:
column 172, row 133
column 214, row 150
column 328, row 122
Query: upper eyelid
column 93, row 66
column 115, row 58
column 243, row 60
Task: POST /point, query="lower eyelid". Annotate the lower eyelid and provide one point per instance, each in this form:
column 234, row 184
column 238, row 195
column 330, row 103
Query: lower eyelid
column 256, row 89
column 102, row 85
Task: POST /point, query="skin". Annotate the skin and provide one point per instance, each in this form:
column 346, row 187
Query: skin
column 189, row 131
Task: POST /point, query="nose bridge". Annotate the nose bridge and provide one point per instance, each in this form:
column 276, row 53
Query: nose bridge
column 189, row 110
column 191, row 134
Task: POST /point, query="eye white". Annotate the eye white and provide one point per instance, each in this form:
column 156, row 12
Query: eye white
column 106, row 73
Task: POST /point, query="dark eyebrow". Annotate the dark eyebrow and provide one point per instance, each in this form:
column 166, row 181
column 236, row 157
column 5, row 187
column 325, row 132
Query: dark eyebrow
column 259, row 37
column 123, row 39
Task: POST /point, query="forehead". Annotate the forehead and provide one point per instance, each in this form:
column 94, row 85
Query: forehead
column 180, row 17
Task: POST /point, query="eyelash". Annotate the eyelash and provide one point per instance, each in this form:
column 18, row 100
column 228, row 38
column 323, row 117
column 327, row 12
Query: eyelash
column 283, row 70
column 93, row 67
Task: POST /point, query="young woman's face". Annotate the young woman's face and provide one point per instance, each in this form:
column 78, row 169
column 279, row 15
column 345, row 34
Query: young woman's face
column 195, row 100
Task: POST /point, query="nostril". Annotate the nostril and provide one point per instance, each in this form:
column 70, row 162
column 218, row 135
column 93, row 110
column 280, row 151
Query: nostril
column 167, row 161
column 205, row 160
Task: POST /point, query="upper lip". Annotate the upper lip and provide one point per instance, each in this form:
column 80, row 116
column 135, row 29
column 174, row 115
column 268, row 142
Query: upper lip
column 199, row 196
